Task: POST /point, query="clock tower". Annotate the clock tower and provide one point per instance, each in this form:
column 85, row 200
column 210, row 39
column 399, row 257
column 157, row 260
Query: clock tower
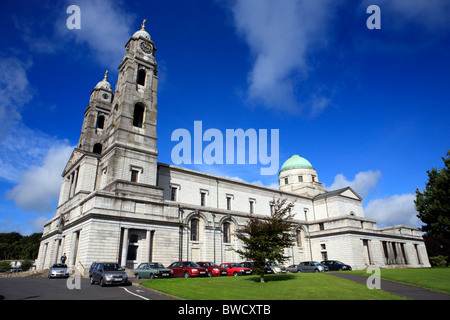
column 129, row 150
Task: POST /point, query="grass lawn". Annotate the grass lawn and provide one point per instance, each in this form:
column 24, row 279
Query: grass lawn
column 298, row 286
column 430, row 278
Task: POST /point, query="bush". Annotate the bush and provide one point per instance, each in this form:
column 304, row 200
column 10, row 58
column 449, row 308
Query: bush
column 438, row 261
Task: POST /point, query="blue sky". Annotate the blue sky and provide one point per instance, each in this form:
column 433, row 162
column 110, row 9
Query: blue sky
column 368, row 108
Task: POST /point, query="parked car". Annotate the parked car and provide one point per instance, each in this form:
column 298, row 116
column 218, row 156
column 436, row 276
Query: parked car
column 108, row 273
column 251, row 264
column 58, row 270
column 334, row 265
column 187, row 269
column 213, row 269
column 311, row 266
column 293, row 268
column 236, row 269
column 275, row 268
column 152, row 270
column 92, row 267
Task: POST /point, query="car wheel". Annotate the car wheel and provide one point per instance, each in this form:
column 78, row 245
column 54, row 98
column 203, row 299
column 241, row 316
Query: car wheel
column 210, row 274
column 186, row 274
column 102, row 282
column 137, row 276
column 235, row 274
column 152, row 276
column 92, row 280
column 316, row 271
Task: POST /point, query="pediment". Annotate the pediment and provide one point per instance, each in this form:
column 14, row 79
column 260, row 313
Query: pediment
column 77, row 154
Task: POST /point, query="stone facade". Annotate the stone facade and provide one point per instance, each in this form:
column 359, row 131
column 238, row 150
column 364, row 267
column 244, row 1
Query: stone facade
column 117, row 203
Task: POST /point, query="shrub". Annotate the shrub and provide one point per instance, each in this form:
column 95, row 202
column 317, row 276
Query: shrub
column 438, row 261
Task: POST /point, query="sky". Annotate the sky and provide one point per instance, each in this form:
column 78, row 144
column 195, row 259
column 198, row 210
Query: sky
column 369, row 108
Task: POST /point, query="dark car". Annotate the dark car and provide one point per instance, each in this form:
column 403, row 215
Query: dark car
column 108, row 273
column 187, row 269
column 213, row 269
column 251, row 265
column 152, row 270
column 58, row 270
column 334, row 265
column 311, row 266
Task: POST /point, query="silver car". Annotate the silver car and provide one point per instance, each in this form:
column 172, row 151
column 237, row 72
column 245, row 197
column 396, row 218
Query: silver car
column 58, row 270
column 108, row 273
column 311, row 266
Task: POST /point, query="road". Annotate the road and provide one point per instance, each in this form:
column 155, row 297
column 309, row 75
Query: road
column 37, row 288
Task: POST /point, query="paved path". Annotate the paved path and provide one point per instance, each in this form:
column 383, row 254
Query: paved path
column 402, row 290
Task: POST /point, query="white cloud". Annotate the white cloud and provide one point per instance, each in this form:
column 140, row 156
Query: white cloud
column 15, row 91
column 105, row 27
column 39, row 185
column 394, row 210
column 280, row 35
column 363, row 183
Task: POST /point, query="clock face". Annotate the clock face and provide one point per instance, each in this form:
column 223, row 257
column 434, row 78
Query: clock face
column 146, row 47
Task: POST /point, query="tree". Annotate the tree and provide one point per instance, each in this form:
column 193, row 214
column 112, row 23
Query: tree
column 266, row 238
column 433, row 204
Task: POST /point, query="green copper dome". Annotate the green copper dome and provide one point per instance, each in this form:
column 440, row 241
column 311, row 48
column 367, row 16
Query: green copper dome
column 296, row 162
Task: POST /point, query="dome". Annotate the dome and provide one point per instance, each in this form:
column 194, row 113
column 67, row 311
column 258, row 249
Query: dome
column 296, row 162
column 141, row 33
column 104, row 84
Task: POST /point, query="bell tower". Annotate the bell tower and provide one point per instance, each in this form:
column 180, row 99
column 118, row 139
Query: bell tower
column 130, row 151
column 95, row 115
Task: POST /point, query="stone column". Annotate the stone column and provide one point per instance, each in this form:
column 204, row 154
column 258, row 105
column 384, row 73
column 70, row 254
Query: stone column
column 124, row 247
column 149, row 244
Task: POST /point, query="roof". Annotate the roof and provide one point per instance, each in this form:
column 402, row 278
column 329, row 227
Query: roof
column 296, row 162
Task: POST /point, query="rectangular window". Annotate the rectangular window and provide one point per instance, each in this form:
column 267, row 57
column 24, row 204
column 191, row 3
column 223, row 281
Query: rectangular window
column 252, row 205
column 229, row 203
column 300, row 178
column 286, row 181
column 203, row 198
column 134, row 175
column 174, row 193
column 321, row 226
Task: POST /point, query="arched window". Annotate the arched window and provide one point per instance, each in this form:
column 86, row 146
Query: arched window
column 138, row 116
column 100, row 121
column 141, row 77
column 97, row 148
column 194, row 230
column 227, row 232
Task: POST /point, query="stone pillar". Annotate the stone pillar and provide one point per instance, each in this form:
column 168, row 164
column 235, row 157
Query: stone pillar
column 74, row 248
column 124, row 247
column 147, row 256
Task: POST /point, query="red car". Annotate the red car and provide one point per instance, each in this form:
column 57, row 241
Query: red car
column 187, row 269
column 236, row 269
column 213, row 269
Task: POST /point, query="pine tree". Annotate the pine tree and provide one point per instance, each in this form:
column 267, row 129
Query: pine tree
column 433, row 204
column 266, row 238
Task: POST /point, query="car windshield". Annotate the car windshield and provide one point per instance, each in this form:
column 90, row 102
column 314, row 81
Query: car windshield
column 112, row 267
column 190, row 264
column 338, row 262
column 156, row 266
column 236, row 265
column 314, row 263
column 59, row 265
column 211, row 264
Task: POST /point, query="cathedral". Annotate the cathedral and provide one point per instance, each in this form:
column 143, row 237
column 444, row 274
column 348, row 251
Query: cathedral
column 119, row 204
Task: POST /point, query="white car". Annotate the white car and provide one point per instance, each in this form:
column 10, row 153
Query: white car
column 58, row 270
